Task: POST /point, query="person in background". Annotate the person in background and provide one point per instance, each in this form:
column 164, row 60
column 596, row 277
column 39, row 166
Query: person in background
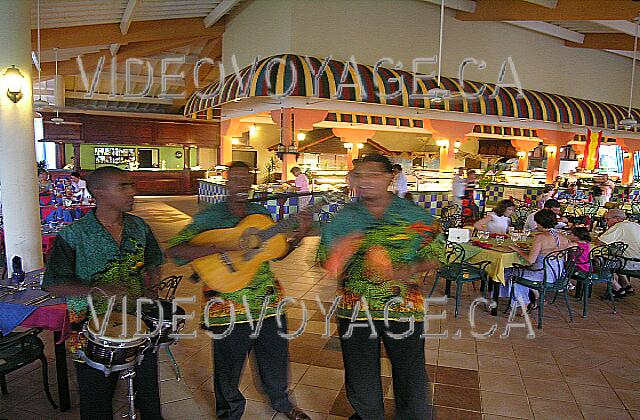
column 409, row 197
column 44, row 183
column 301, row 184
column 399, row 185
column 499, row 220
column 78, row 186
column 580, row 236
column 543, row 244
column 470, row 210
column 117, row 252
column 548, row 192
column 607, row 186
column 458, row 186
column 351, row 182
column 573, row 194
column 622, row 230
column 554, row 206
column 69, row 166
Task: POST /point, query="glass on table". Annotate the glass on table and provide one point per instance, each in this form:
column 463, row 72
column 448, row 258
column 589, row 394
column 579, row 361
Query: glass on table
column 515, row 236
column 483, row 235
column 500, row 239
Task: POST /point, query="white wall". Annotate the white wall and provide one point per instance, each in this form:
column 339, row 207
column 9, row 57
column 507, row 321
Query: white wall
column 407, row 29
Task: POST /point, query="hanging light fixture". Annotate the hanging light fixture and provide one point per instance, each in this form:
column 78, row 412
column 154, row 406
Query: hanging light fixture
column 39, row 103
column 57, row 120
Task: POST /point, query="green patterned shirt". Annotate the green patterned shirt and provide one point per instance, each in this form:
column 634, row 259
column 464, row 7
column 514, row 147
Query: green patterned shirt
column 404, row 235
column 218, row 216
column 86, row 252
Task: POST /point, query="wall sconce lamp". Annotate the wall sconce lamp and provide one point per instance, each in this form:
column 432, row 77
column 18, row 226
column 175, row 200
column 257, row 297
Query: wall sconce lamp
column 235, row 141
column 14, row 81
column 348, row 145
column 360, row 145
column 301, row 136
column 457, row 144
column 442, row 143
column 551, row 149
column 579, row 157
column 521, row 154
column 626, row 155
column 253, row 130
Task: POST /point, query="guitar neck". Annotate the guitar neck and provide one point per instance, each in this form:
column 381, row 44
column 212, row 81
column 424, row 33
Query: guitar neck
column 289, row 223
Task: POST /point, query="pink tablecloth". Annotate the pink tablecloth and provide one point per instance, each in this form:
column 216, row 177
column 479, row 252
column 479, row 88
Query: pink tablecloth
column 52, row 317
column 47, row 243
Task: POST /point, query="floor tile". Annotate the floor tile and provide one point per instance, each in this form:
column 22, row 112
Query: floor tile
column 592, row 412
column 631, row 399
column 540, row 370
column 326, row 358
column 314, row 398
column 506, row 405
column 551, row 390
column 458, row 377
column 578, row 375
column 458, row 345
column 457, row 360
column 551, row 409
column 488, row 363
column 447, row 413
column 506, row 384
column 457, row 397
column 341, row 406
column 323, row 377
column 595, row 395
column 496, row 349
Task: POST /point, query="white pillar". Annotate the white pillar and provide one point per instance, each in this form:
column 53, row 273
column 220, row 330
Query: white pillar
column 18, row 178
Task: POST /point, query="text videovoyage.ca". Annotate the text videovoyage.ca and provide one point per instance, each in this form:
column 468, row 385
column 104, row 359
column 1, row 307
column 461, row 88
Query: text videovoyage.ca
column 351, row 73
column 361, row 318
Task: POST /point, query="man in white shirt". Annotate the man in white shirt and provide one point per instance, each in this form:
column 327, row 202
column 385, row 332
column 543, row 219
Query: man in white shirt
column 622, row 230
column 400, row 187
column 79, row 187
column 458, row 186
column 301, row 184
column 554, row 206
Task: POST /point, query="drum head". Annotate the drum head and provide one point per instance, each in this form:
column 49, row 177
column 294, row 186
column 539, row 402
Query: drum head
column 151, row 311
column 114, row 331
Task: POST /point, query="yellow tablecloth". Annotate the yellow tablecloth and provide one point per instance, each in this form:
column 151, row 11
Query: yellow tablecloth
column 499, row 259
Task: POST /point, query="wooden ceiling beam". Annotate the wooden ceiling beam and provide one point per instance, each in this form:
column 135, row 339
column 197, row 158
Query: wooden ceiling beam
column 501, row 10
column 604, row 42
column 219, row 11
column 134, row 50
column 152, row 30
column 127, row 16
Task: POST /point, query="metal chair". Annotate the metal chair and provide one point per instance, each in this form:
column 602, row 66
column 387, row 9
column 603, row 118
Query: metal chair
column 604, row 263
column 451, row 209
column 519, row 216
column 558, row 267
column 19, row 349
column 451, row 221
column 457, row 270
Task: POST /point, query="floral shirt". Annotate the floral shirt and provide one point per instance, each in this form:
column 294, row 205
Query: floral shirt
column 85, row 252
column 404, row 235
column 218, row 216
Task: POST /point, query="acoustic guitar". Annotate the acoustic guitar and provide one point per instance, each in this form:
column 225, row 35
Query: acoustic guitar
column 260, row 240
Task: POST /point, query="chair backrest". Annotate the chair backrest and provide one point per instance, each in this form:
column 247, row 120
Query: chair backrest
column 604, row 262
column 617, row 249
column 454, row 253
column 449, row 210
column 451, row 221
column 559, row 266
column 519, row 216
column 591, row 209
column 167, row 287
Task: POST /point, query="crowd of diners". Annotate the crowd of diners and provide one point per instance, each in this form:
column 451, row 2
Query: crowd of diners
column 556, row 232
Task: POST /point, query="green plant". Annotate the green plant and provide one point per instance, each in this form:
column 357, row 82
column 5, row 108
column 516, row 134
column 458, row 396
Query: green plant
column 270, row 169
column 487, row 179
column 42, row 164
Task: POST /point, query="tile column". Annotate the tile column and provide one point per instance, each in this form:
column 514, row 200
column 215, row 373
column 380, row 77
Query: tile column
column 18, row 176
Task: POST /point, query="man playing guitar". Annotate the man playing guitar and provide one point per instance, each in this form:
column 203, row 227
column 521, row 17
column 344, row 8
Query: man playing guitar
column 230, row 315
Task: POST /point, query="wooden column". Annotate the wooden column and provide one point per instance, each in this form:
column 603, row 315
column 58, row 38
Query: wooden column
column 186, row 154
column 76, row 157
column 61, row 159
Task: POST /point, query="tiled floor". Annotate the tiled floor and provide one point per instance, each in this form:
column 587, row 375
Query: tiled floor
column 586, row 369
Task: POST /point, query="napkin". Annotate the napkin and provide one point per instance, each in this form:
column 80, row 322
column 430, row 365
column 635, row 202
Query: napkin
column 12, row 316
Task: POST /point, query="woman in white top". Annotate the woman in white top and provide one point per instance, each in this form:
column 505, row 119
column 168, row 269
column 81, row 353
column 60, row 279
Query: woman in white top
column 498, row 220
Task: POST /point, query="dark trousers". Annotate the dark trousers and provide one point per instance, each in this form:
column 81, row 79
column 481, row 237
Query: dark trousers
column 229, row 356
column 96, row 390
column 361, row 357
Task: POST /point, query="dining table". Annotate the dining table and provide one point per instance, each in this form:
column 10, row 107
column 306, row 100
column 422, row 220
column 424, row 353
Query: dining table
column 500, row 257
column 26, row 305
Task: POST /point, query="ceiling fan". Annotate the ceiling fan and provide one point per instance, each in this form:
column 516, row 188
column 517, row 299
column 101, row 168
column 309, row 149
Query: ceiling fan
column 631, row 123
column 439, row 94
column 57, row 120
column 39, row 103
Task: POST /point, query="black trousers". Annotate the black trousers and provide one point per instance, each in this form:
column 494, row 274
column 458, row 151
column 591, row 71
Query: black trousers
column 361, row 356
column 229, row 356
column 96, row 390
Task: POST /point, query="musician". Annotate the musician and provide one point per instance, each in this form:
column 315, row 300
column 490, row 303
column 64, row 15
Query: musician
column 117, row 252
column 375, row 246
column 230, row 352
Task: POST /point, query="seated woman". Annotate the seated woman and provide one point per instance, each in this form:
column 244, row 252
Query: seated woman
column 498, row 220
column 544, row 243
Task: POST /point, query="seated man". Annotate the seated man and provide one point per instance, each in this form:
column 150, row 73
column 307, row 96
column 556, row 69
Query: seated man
column 573, row 194
column 622, row 230
column 554, row 206
column 117, row 252
column 78, row 186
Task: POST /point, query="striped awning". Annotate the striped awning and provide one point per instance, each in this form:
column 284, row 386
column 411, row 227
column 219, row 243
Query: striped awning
column 293, row 76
